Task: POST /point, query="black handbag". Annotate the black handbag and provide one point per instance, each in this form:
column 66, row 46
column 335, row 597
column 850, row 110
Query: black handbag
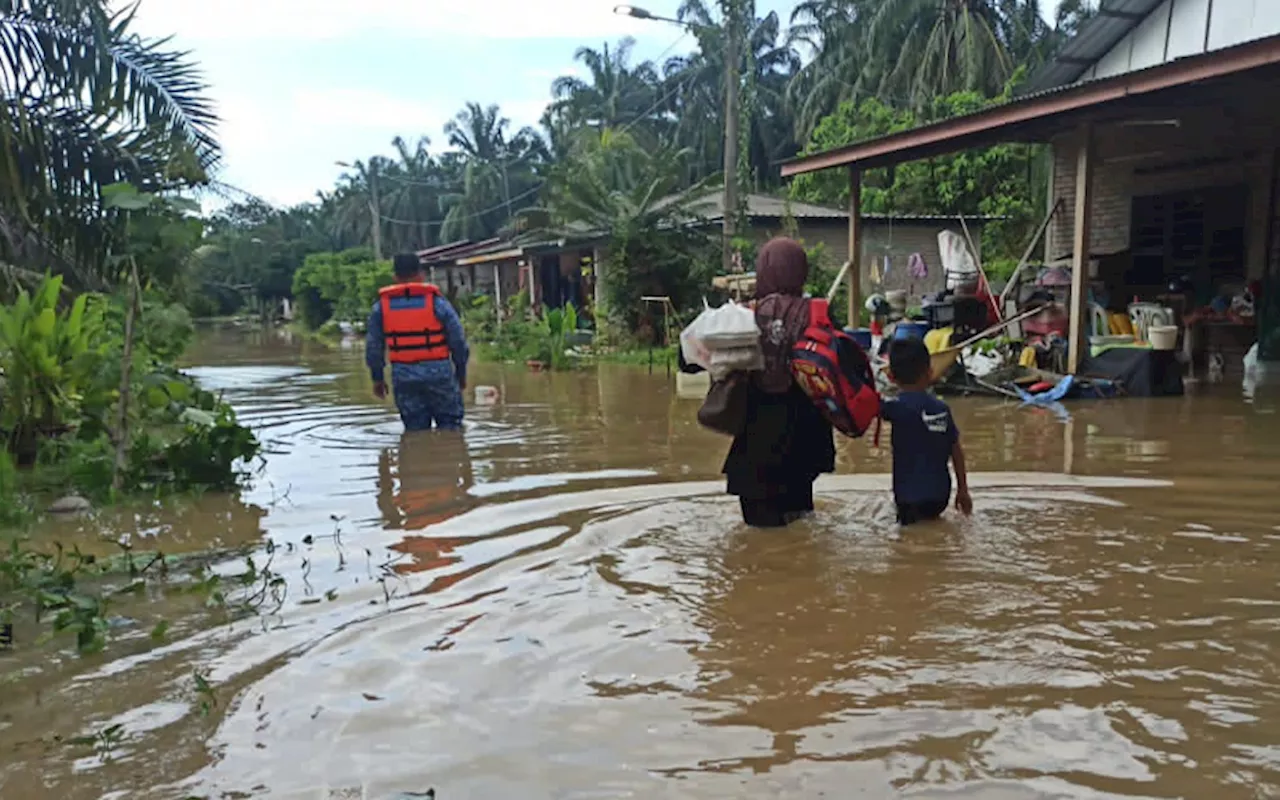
column 725, row 408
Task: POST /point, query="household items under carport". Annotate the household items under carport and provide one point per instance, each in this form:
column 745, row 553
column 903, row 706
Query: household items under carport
column 1220, row 332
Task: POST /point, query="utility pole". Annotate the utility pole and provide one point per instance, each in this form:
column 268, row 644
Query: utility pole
column 375, row 209
column 731, row 11
column 731, row 111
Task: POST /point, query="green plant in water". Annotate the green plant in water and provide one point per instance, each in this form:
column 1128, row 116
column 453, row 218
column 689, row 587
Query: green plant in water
column 206, row 698
column 48, row 584
column 49, row 360
column 557, row 325
column 103, row 742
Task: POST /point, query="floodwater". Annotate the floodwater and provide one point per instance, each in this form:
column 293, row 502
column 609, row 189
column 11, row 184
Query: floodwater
column 560, row 603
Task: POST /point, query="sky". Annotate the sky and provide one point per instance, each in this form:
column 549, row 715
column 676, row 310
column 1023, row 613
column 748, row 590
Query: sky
column 302, row 84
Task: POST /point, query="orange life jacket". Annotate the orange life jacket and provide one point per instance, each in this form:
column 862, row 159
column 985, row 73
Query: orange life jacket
column 413, row 334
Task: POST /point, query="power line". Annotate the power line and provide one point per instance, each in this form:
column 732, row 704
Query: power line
column 481, row 213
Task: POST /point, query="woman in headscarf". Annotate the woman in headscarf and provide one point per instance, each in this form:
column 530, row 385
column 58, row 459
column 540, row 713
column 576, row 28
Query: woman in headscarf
column 786, row 443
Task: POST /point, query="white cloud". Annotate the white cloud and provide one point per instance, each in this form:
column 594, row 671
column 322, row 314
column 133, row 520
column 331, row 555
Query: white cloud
column 549, row 74
column 286, row 151
column 330, row 19
column 364, row 109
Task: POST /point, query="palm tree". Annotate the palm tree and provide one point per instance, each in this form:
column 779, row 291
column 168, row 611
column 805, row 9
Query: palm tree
column 85, row 103
column 827, row 30
column 767, row 65
column 639, row 196
column 920, row 49
column 616, row 95
column 413, row 189
column 497, row 171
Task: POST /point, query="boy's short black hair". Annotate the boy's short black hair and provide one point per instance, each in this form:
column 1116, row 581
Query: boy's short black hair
column 406, row 265
column 908, row 360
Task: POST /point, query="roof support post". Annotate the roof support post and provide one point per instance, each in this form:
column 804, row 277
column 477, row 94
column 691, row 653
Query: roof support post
column 598, row 287
column 855, row 248
column 497, row 295
column 1080, row 248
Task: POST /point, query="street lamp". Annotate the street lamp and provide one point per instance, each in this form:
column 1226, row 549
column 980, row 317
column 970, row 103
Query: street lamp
column 730, row 200
column 374, row 212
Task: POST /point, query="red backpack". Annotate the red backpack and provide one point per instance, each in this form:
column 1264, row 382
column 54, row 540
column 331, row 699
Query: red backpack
column 836, row 374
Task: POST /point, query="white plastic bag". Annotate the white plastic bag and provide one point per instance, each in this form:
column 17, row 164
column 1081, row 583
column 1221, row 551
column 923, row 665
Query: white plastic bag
column 728, row 326
column 691, row 346
column 736, row 359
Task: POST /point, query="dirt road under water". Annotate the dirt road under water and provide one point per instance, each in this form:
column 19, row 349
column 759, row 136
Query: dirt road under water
column 561, row 604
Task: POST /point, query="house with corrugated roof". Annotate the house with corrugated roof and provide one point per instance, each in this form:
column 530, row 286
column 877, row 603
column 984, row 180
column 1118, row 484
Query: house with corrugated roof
column 556, row 270
column 1166, row 160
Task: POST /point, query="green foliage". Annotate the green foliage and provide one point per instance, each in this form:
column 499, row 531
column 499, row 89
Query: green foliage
column 14, row 507
column 340, row 286
column 59, row 400
column 1005, row 180
column 51, row 362
column 557, row 324
column 1000, row 269
column 86, row 102
column 207, row 455
column 519, row 338
column 612, row 184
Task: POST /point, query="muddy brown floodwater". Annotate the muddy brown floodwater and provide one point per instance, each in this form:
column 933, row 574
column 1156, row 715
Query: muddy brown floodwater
column 560, row 603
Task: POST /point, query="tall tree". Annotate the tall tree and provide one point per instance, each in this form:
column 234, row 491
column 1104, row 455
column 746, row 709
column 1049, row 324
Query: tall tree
column 84, row 103
column 614, row 95
column 924, row 48
column 497, row 176
column 766, row 66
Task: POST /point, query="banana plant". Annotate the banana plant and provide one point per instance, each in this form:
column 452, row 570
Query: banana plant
column 557, row 325
column 49, row 360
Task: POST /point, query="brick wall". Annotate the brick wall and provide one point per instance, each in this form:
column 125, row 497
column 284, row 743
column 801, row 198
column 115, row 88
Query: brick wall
column 1112, row 201
column 1116, row 184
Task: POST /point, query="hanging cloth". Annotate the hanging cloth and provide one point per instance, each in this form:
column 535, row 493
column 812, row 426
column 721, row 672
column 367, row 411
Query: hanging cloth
column 917, row 267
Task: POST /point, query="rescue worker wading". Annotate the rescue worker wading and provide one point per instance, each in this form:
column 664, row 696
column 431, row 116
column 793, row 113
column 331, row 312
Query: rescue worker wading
column 415, row 326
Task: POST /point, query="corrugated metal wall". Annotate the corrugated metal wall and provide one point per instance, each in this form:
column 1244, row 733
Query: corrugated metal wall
column 1178, row 28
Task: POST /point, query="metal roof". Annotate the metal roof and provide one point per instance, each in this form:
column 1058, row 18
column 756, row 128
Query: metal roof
column 1112, row 22
column 710, row 208
column 1034, row 116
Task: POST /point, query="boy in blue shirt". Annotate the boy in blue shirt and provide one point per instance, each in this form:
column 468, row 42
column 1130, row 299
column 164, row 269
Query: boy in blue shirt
column 925, row 438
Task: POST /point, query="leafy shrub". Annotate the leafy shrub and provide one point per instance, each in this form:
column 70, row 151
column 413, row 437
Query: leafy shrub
column 340, row 286
column 208, row 455
column 51, row 361
column 59, row 403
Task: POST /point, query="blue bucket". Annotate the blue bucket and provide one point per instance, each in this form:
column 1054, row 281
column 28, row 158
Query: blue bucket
column 910, row 330
column 860, row 335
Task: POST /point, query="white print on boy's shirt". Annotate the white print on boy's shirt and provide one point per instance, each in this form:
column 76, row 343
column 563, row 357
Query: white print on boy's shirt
column 935, row 423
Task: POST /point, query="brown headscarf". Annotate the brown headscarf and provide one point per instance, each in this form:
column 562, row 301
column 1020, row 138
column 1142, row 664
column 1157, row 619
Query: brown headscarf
column 782, row 310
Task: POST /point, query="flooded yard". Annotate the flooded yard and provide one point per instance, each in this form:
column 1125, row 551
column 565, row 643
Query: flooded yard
column 561, row 603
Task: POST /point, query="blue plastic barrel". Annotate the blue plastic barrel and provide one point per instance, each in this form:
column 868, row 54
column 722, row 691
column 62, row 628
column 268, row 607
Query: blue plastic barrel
column 910, row 330
column 860, row 335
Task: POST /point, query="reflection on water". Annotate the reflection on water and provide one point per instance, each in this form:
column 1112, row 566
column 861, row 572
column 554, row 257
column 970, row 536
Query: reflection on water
column 559, row 602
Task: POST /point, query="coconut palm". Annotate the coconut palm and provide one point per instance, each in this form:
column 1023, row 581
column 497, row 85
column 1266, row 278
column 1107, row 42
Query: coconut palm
column 497, row 174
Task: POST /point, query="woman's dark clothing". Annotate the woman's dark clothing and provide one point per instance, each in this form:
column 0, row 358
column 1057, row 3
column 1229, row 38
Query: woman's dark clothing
column 780, row 511
column 927, row 511
column 786, row 442
column 773, row 463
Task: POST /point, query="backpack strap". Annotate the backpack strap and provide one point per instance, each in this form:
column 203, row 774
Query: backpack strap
column 819, row 313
